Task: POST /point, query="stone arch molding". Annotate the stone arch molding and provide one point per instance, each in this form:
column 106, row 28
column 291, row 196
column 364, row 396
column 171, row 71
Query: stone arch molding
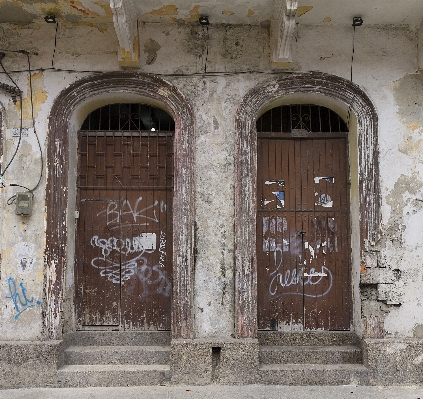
column 310, row 84
column 108, row 87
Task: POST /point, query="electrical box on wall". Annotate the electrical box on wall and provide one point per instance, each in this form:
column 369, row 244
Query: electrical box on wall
column 24, row 203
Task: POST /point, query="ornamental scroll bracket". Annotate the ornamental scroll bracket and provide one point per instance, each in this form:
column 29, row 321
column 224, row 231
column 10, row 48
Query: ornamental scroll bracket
column 126, row 26
column 282, row 31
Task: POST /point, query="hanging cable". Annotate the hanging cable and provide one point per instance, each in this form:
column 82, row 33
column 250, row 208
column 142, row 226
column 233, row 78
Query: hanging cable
column 33, row 122
column 11, row 200
column 55, row 45
column 357, row 21
column 21, row 118
column 352, row 54
column 207, row 48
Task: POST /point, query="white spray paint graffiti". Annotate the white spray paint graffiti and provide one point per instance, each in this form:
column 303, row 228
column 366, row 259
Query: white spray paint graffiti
column 25, row 255
column 293, row 278
column 118, row 271
column 144, row 242
column 162, row 247
column 296, row 278
column 117, row 210
column 272, row 225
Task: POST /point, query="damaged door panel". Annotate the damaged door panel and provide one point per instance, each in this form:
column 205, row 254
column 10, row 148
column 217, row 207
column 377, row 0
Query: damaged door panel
column 124, row 232
column 303, row 245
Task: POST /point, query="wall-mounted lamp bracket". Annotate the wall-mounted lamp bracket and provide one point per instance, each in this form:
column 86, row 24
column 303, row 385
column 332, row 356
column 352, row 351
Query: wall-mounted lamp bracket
column 50, row 19
column 357, row 21
column 204, row 20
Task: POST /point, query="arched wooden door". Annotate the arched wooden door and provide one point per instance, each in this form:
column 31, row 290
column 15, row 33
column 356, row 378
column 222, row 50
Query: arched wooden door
column 124, row 228
column 303, row 245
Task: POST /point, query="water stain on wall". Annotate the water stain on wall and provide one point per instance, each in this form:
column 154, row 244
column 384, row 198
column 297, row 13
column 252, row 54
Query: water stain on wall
column 408, row 95
column 303, row 9
column 166, row 10
column 39, row 96
column 151, row 47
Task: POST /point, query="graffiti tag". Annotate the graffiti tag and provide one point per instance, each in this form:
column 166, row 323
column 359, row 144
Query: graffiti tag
column 19, row 297
column 119, row 211
column 293, row 278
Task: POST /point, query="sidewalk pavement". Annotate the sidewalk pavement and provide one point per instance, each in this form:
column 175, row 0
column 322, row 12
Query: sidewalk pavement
column 219, row 392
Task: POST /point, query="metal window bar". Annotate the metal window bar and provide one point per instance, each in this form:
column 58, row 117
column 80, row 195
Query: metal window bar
column 314, row 118
column 128, row 117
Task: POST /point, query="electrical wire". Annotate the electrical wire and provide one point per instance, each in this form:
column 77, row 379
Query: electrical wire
column 352, row 55
column 180, row 75
column 12, row 199
column 55, row 45
column 33, row 122
column 21, row 120
column 351, row 70
column 207, row 49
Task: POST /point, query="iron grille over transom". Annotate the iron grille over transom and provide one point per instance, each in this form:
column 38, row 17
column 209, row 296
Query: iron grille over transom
column 129, row 117
column 301, row 117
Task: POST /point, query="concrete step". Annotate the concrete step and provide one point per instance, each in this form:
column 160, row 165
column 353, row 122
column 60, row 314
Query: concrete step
column 118, row 338
column 339, row 354
column 112, row 375
column 117, row 355
column 313, row 374
column 308, row 338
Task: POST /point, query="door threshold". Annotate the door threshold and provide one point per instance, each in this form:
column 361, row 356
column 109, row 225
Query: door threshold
column 100, row 328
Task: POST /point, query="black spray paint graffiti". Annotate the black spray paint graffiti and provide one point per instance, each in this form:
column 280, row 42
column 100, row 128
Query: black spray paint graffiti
column 19, row 297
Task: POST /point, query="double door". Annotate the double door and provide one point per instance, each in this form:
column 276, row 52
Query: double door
column 124, row 230
column 303, row 246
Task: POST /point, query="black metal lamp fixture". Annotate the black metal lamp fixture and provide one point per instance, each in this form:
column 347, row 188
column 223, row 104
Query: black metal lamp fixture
column 50, row 19
column 357, row 21
column 204, row 20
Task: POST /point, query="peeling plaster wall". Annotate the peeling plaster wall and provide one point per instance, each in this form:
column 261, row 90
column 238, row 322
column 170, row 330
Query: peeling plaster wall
column 235, row 59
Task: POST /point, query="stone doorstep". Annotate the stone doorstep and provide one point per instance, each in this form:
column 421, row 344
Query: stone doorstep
column 311, row 358
column 117, row 355
column 118, row 338
column 310, row 354
column 313, row 374
column 308, row 338
column 115, row 358
column 112, row 375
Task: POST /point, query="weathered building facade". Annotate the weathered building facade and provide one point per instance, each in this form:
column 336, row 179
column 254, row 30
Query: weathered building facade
column 227, row 200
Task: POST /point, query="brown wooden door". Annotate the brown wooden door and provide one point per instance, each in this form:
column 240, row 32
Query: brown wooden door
column 124, row 230
column 303, row 246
